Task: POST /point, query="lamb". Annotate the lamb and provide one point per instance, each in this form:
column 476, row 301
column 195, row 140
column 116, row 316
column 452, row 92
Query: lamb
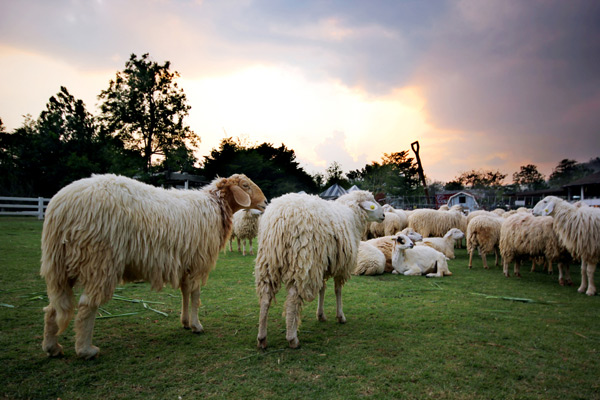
column 444, row 244
column 245, row 228
column 432, row 223
column 523, row 236
column 578, row 229
column 483, row 233
column 385, row 244
column 304, row 240
column 409, row 259
column 105, row 229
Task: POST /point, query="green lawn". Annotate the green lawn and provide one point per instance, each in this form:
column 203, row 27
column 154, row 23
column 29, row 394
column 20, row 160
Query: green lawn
column 458, row 337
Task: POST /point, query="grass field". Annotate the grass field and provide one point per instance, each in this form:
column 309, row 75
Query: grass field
column 461, row 337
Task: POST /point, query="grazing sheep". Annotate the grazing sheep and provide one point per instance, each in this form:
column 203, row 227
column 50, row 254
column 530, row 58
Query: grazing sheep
column 578, row 229
column 370, row 261
column 444, row 244
column 409, row 259
column 433, row 223
column 483, row 233
column 304, row 240
column 105, row 229
column 523, row 236
column 386, row 245
column 245, row 228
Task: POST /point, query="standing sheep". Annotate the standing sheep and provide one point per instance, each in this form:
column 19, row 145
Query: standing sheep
column 105, row 229
column 578, row 229
column 483, row 234
column 245, row 228
column 302, row 241
column 444, row 244
column 435, row 223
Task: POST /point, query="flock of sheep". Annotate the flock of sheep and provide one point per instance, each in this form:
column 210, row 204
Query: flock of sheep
column 108, row 229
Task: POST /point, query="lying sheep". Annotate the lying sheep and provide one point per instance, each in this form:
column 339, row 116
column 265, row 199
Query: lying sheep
column 483, row 234
column 106, row 229
column 444, row 244
column 245, row 228
column 386, row 245
column 408, row 259
column 304, row 240
column 370, row 260
column 578, row 229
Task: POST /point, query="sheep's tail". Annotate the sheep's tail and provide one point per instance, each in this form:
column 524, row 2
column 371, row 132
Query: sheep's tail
column 59, row 286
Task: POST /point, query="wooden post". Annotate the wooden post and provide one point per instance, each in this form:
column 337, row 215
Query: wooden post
column 415, row 147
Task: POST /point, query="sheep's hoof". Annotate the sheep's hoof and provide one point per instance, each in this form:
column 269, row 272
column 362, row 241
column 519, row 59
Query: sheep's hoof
column 581, row 289
column 341, row 319
column 294, row 343
column 197, row 329
column 518, row 275
column 54, row 351
column 486, row 267
column 507, row 275
column 569, row 282
column 262, row 343
column 591, row 292
column 88, row 353
column 470, row 266
column 322, row 317
column 561, row 282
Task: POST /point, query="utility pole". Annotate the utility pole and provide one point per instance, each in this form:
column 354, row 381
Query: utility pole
column 415, row 148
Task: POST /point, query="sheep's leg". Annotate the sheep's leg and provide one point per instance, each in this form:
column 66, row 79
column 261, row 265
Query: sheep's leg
column 484, row 259
column 185, row 303
column 496, row 253
column 244, row 247
column 194, row 306
column 84, row 327
column 320, row 312
column 292, row 317
column 584, row 276
column 250, row 245
column 265, row 303
column 505, row 268
column 413, row 270
column 591, row 268
column 338, row 298
column 230, row 246
column 238, row 243
column 50, row 343
column 550, row 270
column 564, row 274
column 518, row 268
column 471, row 259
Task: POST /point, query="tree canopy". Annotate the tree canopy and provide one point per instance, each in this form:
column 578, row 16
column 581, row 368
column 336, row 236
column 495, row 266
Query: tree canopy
column 529, row 178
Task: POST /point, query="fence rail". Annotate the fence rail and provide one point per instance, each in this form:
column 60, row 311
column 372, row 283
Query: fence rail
column 35, row 206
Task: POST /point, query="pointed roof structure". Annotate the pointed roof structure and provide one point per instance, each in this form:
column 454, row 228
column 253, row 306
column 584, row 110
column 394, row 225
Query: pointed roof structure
column 353, row 188
column 333, row 192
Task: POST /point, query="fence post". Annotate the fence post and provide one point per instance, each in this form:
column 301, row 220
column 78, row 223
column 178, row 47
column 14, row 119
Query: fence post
column 40, row 208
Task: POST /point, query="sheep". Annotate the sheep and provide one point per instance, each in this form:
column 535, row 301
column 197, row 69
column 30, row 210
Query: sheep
column 386, row 246
column 476, row 213
column 304, row 240
column 432, row 223
column 578, row 229
column 370, row 260
column 105, row 229
column 483, row 233
column 523, row 236
column 444, row 244
column 395, row 221
column 409, row 259
column 245, row 228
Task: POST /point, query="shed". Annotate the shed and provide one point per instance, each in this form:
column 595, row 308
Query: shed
column 464, row 199
column 586, row 189
column 333, row 192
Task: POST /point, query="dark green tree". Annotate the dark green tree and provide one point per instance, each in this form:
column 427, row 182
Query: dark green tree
column 567, row 171
column 335, row 175
column 144, row 107
column 478, row 179
column 529, row 178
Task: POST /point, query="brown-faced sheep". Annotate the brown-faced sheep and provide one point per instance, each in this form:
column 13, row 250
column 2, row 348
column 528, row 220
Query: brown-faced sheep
column 102, row 230
column 304, row 240
column 578, row 229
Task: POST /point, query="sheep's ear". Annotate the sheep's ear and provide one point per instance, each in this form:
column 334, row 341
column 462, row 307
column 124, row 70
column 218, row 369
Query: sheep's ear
column 368, row 205
column 549, row 207
column 240, row 196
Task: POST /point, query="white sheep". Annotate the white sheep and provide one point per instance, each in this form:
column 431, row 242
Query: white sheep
column 408, row 259
column 385, row 244
column 483, row 234
column 444, row 244
column 370, row 260
column 393, row 222
column 245, row 228
column 435, row 223
column 102, row 230
column 304, row 240
column 523, row 236
column 578, row 229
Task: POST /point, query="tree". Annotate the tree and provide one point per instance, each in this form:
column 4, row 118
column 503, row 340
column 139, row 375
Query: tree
column 480, row 178
column 529, row 178
column 335, row 175
column 566, row 171
column 145, row 108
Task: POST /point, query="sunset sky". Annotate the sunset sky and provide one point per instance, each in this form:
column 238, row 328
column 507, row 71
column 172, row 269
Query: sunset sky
column 479, row 83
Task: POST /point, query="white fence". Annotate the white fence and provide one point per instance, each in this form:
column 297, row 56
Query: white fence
column 35, row 206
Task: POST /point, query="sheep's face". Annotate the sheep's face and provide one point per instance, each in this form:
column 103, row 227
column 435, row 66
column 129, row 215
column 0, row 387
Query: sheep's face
column 456, row 233
column 402, row 242
column 243, row 193
column 373, row 210
column 545, row 206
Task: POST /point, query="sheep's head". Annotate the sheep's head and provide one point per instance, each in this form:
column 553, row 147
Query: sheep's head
column 402, row 242
column 241, row 193
column 412, row 234
column 366, row 202
column 455, row 234
column 374, row 211
column 545, row 206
